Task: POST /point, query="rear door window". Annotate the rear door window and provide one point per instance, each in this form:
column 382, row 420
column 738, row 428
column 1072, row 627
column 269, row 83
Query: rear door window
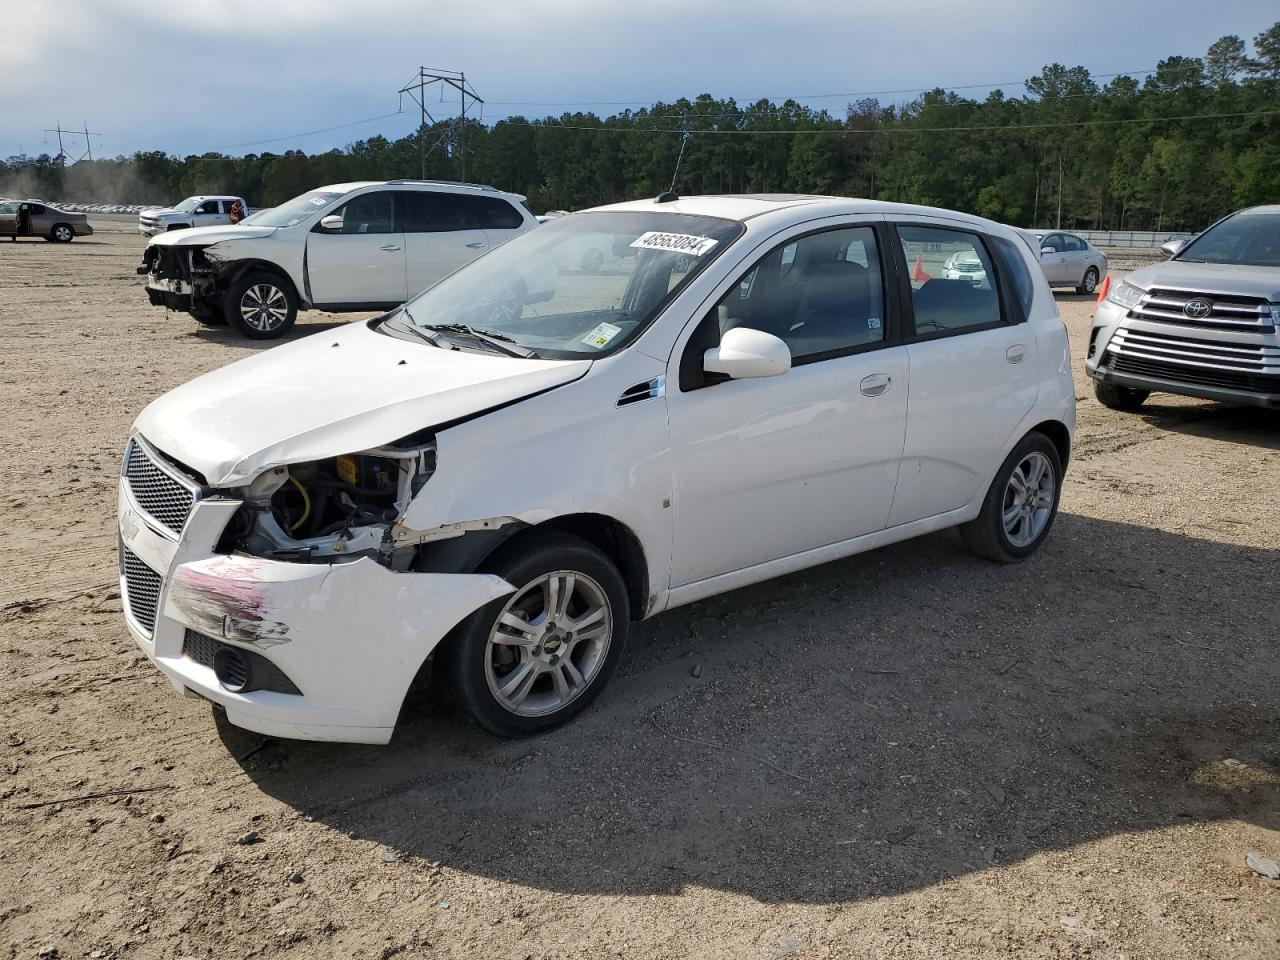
column 1074, row 244
column 942, row 305
column 430, row 212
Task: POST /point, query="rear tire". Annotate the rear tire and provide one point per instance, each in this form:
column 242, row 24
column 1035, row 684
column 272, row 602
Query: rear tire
column 1021, row 504
column 518, row 671
column 62, row 233
column 1117, row 397
column 1089, row 283
column 260, row 305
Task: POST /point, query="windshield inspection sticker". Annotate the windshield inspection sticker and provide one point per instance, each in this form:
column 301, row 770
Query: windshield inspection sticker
column 601, row 335
column 675, row 243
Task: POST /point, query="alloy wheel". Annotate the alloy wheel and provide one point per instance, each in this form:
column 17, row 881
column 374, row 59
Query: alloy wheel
column 264, row 307
column 1028, row 499
column 549, row 642
column 63, row 234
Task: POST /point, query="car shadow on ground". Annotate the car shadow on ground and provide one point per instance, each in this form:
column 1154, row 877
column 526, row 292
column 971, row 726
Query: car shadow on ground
column 1253, row 426
column 871, row 726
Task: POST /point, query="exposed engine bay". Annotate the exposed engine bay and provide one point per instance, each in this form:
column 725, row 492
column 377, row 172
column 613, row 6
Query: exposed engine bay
column 181, row 277
column 339, row 507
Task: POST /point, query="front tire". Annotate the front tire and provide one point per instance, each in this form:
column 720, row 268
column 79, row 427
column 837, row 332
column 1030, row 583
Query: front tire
column 534, row 659
column 1089, row 283
column 1020, row 505
column 260, row 306
column 1119, row 398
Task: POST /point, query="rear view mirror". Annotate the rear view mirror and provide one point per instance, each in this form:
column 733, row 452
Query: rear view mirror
column 745, row 353
column 1170, row 248
column 1045, row 251
column 332, row 223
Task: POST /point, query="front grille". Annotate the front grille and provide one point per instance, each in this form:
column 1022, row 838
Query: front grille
column 141, row 589
column 1228, row 379
column 1194, row 351
column 266, row 675
column 1226, row 311
column 156, row 491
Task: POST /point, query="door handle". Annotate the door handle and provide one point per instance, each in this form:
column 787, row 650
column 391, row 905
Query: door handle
column 1016, row 354
column 475, row 246
column 876, row 384
column 390, row 248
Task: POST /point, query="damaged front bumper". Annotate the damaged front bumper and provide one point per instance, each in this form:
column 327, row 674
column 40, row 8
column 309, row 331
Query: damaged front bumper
column 180, row 278
column 348, row 637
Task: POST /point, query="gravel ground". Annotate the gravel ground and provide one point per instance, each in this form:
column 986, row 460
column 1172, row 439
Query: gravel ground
column 910, row 753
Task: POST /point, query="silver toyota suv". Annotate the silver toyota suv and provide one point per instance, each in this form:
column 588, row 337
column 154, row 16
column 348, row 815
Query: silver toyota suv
column 1206, row 323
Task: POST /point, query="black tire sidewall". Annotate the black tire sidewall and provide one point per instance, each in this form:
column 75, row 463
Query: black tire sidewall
column 1085, row 286
column 1032, row 442
column 463, row 659
column 231, row 305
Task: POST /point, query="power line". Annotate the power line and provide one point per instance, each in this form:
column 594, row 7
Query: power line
column 909, row 130
column 458, row 81
column 312, row 133
column 824, row 96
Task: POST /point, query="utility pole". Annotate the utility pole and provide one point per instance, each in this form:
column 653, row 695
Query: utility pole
column 88, row 145
column 416, row 88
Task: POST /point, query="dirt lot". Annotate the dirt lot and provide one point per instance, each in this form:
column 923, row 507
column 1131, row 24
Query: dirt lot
column 910, row 753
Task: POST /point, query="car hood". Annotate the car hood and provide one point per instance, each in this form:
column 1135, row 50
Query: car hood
column 203, row 236
column 329, row 394
column 1210, row 278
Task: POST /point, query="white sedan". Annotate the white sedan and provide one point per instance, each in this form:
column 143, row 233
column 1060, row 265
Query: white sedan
column 503, row 493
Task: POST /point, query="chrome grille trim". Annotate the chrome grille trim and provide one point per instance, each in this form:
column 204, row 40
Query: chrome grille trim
column 160, row 493
column 141, row 592
column 1228, row 311
column 1249, row 358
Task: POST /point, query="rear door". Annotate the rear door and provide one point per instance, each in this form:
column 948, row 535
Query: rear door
column 441, row 233
column 972, row 371
column 363, row 263
column 8, row 217
column 1078, row 259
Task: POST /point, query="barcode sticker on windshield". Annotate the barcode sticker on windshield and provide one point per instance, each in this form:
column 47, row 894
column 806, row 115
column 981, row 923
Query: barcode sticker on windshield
column 601, row 335
column 675, row 243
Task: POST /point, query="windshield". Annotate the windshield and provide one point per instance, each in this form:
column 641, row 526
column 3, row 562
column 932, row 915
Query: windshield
column 1249, row 239
column 293, row 211
column 187, row 205
column 578, row 286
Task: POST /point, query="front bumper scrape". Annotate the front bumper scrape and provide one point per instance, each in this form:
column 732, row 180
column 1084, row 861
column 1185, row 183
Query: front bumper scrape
column 350, row 635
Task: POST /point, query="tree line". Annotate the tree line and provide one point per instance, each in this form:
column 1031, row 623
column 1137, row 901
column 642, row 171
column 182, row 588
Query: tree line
column 1189, row 142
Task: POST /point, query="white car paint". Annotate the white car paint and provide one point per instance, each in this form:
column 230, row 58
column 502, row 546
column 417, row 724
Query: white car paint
column 326, row 269
column 198, row 211
column 720, row 487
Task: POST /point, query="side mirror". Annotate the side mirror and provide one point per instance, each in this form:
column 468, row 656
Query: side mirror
column 1170, row 248
column 1046, row 251
column 332, row 223
column 745, row 353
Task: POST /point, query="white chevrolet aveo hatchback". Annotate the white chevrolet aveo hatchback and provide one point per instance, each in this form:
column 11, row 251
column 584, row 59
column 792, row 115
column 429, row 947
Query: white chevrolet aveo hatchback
column 744, row 387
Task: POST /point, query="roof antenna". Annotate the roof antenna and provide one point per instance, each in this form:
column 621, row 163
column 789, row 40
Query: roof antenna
column 671, row 194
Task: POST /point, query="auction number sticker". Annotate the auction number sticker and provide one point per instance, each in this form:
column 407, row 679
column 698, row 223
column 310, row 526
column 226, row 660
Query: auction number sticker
column 675, row 243
column 601, row 335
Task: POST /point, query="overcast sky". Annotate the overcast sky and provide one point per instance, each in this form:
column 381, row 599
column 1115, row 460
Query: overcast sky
column 187, row 76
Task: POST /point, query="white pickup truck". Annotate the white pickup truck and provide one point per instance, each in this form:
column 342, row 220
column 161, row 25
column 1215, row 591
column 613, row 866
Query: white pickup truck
column 200, row 211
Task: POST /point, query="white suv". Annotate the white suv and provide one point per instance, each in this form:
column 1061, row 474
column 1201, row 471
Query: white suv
column 198, row 211
column 762, row 386
column 346, row 247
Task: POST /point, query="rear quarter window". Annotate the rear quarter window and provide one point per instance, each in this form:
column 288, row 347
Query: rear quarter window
column 1013, row 270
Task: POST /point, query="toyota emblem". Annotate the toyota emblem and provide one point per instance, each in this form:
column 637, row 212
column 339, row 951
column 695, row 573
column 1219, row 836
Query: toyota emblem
column 1197, row 309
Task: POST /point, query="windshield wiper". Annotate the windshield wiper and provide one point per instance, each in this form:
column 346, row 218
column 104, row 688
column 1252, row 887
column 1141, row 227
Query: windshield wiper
column 498, row 341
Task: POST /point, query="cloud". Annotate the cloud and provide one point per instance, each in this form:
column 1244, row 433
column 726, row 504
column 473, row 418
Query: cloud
column 201, row 75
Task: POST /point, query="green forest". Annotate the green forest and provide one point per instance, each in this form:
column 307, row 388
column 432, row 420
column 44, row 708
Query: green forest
column 1172, row 149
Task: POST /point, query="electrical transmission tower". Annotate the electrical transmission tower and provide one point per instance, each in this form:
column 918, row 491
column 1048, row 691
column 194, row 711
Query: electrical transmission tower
column 417, row 88
column 88, row 145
